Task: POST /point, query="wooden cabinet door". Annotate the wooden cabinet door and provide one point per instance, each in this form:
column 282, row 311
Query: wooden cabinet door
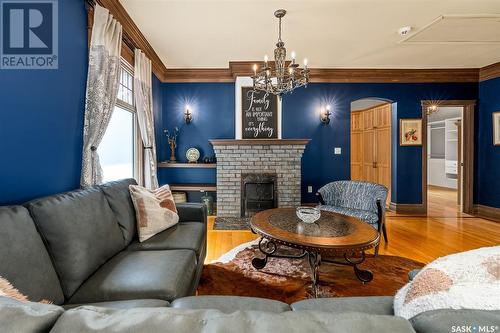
column 356, row 121
column 369, row 173
column 382, row 116
column 383, row 156
column 368, row 119
column 356, row 155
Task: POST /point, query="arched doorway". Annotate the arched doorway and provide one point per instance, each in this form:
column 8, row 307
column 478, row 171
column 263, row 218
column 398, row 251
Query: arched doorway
column 371, row 143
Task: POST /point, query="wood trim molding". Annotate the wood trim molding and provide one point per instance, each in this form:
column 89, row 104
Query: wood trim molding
column 198, row 75
column 489, row 72
column 246, row 142
column 393, row 75
column 132, row 36
column 488, row 212
column 448, row 102
column 329, row 75
column 468, row 150
column 411, row 209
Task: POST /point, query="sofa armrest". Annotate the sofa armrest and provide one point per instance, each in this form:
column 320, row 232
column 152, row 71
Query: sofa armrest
column 192, row 212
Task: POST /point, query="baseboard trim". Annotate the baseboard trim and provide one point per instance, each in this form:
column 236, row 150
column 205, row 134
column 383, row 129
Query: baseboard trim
column 413, row 209
column 487, row 212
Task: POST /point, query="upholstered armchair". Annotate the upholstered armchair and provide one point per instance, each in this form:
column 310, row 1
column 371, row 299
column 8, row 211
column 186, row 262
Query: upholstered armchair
column 363, row 200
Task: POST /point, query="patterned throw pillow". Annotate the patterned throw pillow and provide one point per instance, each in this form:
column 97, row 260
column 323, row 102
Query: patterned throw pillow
column 467, row 280
column 155, row 210
column 8, row 290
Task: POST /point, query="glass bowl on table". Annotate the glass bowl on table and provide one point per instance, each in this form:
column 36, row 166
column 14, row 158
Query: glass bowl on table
column 308, row 215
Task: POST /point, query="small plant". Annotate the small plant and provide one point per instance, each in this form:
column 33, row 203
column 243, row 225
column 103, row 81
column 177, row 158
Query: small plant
column 172, row 142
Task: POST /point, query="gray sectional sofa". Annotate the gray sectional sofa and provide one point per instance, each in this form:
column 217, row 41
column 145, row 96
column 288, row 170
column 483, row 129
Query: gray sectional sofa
column 82, row 247
column 79, row 250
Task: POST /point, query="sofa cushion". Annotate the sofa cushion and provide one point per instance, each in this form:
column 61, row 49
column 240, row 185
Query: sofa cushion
column 118, row 196
column 188, row 235
column 437, row 321
column 90, row 319
column 363, row 215
column 377, row 305
column 229, row 304
column 27, row 317
column 80, row 231
column 165, row 275
column 24, row 260
column 134, row 303
column 192, row 212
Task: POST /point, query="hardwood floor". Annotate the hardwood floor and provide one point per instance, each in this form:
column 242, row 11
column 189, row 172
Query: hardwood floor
column 423, row 238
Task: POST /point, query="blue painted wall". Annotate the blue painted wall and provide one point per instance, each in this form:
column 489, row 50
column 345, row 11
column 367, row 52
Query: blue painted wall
column 320, row 165
column 41, row 117
column 487, row 155
column 213, row 105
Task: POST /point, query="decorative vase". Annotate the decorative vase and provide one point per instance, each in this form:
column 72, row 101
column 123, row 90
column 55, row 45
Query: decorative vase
column 208, row 202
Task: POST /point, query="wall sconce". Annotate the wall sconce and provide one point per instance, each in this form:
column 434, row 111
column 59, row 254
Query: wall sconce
column 188, row 117
column 432, row 109
column 324, row 115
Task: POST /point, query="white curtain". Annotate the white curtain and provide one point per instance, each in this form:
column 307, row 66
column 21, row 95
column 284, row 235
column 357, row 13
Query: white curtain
column 144, row 104
column 102, row 87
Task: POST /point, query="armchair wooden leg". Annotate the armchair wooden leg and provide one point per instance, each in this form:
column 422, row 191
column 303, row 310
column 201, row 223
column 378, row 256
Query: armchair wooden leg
column 384, row 230
column 376, row 249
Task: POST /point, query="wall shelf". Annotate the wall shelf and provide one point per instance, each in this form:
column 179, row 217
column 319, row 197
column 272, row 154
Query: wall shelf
column 193, row 187
column 187, row 165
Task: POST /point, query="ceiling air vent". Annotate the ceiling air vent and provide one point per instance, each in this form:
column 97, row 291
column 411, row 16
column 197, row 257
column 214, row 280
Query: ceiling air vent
column 482, row 29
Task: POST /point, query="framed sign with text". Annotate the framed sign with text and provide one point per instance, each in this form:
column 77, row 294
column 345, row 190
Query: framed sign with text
column 259, row 114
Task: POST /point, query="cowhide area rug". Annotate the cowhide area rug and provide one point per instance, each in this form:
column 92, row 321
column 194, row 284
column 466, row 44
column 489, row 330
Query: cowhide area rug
column 288, row 280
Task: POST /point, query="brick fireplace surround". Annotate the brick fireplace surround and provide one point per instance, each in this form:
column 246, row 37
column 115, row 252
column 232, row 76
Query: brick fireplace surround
column 236, row 157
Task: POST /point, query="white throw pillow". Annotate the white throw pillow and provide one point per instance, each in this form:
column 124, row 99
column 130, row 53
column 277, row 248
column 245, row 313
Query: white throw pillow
column 155, row 210
column 467, row 280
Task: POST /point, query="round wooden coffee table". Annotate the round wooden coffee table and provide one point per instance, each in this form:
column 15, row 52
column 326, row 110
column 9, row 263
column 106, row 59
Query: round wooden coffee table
column 334, row 238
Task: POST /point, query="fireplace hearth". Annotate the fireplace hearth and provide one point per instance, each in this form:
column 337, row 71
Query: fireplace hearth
column 258, row 192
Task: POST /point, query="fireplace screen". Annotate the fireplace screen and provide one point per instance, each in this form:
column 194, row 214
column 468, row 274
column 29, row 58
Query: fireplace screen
column 258, row 192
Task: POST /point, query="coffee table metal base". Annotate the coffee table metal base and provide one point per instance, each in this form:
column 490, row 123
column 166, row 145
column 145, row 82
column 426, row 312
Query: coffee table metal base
column 270, row 250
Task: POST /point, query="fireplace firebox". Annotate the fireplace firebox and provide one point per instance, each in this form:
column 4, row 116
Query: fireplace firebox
column 258, row 192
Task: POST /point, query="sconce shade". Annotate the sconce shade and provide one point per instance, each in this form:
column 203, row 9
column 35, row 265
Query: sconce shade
column 325, row 114
column 188, row 117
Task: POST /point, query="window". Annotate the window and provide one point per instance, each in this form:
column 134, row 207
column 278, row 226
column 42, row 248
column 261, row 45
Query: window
column 118, row 151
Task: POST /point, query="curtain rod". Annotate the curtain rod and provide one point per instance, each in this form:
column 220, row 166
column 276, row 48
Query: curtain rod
column 90, row 4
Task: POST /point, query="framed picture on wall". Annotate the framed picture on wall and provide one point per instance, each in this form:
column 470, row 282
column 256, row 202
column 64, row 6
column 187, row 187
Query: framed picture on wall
column 259, row 114
column 496, row 128
column 410, row 132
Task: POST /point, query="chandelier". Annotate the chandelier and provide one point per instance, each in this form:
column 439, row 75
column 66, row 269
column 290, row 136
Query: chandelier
column 281, row 79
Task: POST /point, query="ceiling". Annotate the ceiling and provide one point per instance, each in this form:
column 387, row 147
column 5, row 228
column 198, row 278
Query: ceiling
column 366, row 103
column 330, row 33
